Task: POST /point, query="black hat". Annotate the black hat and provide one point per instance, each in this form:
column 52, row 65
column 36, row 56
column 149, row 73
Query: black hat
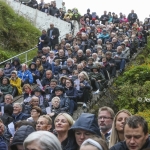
column 59, row 87
column 37, row 89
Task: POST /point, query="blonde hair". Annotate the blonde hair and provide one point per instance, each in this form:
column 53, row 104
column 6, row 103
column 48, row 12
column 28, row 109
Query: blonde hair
column 67, row 116
column 114, row 134
column 47, row 117
column 86, row 77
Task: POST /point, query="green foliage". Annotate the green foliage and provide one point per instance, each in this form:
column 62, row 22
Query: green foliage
column 133, row 97
column 16, row 33
column 133, row 87
column 145, row 115
column 136, row 74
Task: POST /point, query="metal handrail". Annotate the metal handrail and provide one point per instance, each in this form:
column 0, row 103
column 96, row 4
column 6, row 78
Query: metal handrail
column 26, row 52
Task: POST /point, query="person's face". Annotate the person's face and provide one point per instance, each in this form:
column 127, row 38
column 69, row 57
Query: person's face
column 48, row 75
column 104, row 60
column 4, row 81
column 88, row 147
column 61, row 53
column 51, row 55
column 1, row 128
column 7, row 65
column 120, row 121
column 8, row 100
column 35, row 102
column 13, row 75
column 68, row 83
column 37, row 62
column 24, row 68
column 34, row 113
column 69, row 63
column 61, row 124
column 80, row 54
column 44, row 32
column 79, row 67
column 16, row 109
column 119, row 50
column 53, row 85
column 81, row 136
column 51, row 26
column 95, row 70
column 90, row 61
column 42, row 124
column 26, row 89
column 1, row 73
column 37, row 94
column 58, row 92
column 135, row 137
column 55, row 103
column 81, row 77
column 105, row 121
column 88, row 53
column 32, row 66
column 43, row 58
column 108, row 56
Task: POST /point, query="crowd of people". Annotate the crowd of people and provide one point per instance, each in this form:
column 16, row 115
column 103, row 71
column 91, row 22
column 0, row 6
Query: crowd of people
column 66, row 73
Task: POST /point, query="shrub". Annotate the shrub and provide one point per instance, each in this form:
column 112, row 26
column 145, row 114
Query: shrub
column 145, row 115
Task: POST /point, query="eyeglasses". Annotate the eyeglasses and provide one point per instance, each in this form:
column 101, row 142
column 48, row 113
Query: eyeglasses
column 104, row 118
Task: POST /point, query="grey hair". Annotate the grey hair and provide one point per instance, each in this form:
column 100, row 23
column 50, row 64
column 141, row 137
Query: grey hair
column 19, row 104
column 9, row 96
column 45, row 140
column 56, row 97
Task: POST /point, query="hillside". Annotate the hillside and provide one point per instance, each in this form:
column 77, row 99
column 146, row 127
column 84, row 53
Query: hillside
column 16, row 33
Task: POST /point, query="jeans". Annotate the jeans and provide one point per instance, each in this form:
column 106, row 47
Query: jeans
column 73, row 106
column 121, row 64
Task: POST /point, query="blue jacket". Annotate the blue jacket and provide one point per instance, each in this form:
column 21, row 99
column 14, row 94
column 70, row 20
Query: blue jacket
column 25, row 75
column 87, row 122
column 46, row 65
column 3, row 145
column 21, row 116
column 72, row 93
column 56, row 69
column 104, row 36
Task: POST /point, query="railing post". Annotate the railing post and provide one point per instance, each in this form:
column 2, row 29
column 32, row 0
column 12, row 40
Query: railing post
column 26, row 57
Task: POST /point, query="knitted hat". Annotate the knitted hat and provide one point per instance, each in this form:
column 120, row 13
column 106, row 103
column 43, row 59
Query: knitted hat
column 15, row 72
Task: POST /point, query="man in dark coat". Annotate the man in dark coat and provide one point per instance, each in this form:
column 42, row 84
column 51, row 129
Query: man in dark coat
column 53, row 34
column 132, row 17
column 104, row 18
column 54, row 11
column 136, row 135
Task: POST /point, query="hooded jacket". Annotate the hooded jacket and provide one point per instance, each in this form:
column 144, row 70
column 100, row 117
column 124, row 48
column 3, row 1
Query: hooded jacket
column 3, row 145
column 18, row 65
column 7, row 71
column 87, row 122
column 16, row 83
column 21, row 135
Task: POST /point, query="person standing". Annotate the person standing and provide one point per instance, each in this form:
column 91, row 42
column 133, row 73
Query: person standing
column 53, row 34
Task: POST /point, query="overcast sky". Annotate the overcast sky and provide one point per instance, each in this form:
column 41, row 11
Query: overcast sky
column 142, row 8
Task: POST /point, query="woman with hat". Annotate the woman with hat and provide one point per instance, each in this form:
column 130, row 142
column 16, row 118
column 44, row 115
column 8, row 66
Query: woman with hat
column 64, row 71
column 64, row 101
column 15, row 83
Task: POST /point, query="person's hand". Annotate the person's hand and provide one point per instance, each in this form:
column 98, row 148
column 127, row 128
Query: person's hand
column 0, row 113
column 93, row 78
column 51, row 114
column 1, row 93
column 10, row 140
column 81, row 84
column 99, row 81
column 33, row 74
